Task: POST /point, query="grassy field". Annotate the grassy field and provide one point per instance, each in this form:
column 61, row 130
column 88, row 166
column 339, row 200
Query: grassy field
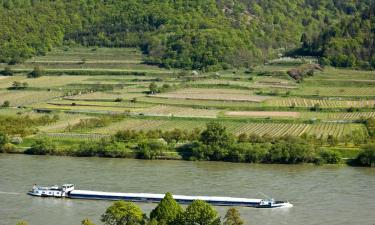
column 82, row 83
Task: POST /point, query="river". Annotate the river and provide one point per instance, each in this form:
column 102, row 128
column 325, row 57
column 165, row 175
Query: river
column 320, row 194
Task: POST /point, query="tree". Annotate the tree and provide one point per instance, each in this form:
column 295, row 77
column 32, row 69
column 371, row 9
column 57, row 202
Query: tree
column 216, row 134
column 7, row 71
column 87, row 222
column 153, row 88
column 22, row 223
column 6, row 104
column 43, row 146
column 304, row 40
column 200, row 213
column 367, row 156
column 123, row 213
column 3, row 139
column 151, row 149
column 167, row 210
column 233, row 217
column 37, row 72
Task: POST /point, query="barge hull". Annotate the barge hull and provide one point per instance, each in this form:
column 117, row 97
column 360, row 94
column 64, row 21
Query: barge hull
column 155, row 198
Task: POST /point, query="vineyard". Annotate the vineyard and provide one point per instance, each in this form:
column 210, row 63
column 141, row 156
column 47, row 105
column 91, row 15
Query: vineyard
column 322, row 130
column 349, row 116
column 82, row 83
column 214, row 94
column 23, row 98
column 162, row 110
column 337, row 91
column 323, row 103
column 262, row 114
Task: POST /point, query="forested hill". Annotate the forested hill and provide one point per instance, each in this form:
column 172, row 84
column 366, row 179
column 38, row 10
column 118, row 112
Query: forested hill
column 348, row 43
column 191, row 34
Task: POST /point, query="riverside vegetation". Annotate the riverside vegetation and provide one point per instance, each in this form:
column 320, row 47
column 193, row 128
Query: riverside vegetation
column 167, row 212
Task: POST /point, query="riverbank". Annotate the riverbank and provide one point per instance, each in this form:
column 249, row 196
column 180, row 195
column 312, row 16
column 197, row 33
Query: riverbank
column 109, row 149
column 214, row 143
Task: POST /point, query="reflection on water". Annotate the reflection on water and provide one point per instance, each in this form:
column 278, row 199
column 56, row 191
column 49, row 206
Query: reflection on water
column 320, row 194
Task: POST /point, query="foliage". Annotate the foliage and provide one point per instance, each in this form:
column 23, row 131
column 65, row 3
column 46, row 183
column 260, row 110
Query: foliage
column 151, row 149
column 200, row 213
column 167, row 211
column 43, row 146
column 87, row 222
column 23, row 125
column 233, row 217
column 22, row 223
column 5, row 104
column 123, row 213
column 216, row 135
column 348, row 43
column 330, row 157
column 37, row 72
column 367, row 156
column 102, row 148
column 303, row 71
column 153, row 88
column 370, row 124
column 206, row 34
column 3, row 141
column 7, row 71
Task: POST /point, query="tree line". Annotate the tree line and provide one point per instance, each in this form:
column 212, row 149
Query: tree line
column 214, row 143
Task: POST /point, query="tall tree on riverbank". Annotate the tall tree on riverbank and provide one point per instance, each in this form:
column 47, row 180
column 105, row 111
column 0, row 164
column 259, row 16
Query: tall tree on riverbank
column 123, row 213
column 200, row 213
column 167, row 211
column 233, row 217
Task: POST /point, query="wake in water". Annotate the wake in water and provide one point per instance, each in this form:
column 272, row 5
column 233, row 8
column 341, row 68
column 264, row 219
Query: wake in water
column 10, row 193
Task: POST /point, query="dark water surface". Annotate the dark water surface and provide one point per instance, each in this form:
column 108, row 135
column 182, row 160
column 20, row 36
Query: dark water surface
column 321, row 194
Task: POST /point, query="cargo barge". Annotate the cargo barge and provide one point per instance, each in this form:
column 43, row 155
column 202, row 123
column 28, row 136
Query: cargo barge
column 68, row 191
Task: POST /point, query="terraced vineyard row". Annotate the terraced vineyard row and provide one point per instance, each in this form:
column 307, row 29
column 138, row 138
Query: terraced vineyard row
column 22, row 98
column 271, row 129
column 162, row 110
column 337, row 91
column 199, row 103
column 323, row 130
column 73, row 135
column 323, row 103
column 238, row 127
column 350, row 116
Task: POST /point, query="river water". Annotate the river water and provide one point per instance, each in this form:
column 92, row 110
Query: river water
column 320, row 194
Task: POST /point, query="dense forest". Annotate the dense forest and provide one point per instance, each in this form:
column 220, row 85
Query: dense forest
column 194, row 34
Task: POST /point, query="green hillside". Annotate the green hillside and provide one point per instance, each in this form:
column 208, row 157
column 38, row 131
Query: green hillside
column 195, row 34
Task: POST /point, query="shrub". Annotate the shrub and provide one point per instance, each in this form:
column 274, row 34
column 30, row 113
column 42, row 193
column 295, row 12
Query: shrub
column 8, row 148
column 43, row 146
column 151, row 149
column 6, row 104
column 330, row 157
column 7, row 71
column 37, row 72
column 367, row 156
